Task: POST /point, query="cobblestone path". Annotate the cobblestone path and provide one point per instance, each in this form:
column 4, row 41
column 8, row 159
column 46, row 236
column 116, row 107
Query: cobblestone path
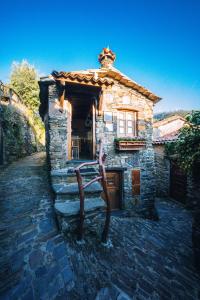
column 148, row 260
column 33, row 256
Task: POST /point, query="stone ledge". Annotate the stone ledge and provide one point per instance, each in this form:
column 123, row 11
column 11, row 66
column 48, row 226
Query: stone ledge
column 68, row 209
column 72, row 189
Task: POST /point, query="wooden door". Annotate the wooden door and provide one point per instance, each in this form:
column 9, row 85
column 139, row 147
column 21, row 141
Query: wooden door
column 136, row 182
column 114, row 185
column 69, row 130
column 178, row 183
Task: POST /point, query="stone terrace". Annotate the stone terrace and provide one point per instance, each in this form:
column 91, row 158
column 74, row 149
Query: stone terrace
column 148, row 260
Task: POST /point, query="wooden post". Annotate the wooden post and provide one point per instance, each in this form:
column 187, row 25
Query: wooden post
column 104, row 237
column 93, row 130
column 69, row 130
column 61, row 88
column 100, row 110
column 82, row 198
column 81, row 187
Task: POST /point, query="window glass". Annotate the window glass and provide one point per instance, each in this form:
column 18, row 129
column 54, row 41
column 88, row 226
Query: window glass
column 130, row 123
column 129, row 116
column 121, row 130
column 121, row 116
column 126, row 123
column 130, row 130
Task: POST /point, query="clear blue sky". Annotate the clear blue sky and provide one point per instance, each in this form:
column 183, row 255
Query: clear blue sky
column 157, row 42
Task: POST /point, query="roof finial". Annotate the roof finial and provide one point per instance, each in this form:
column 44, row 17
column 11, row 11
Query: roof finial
column 106, row 58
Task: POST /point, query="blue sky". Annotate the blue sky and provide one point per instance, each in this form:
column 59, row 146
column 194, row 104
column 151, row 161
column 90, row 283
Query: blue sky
column 157, row 43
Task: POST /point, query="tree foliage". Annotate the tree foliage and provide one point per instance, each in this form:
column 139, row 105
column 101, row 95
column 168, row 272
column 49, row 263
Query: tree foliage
column 24, row 80
column 187, row 148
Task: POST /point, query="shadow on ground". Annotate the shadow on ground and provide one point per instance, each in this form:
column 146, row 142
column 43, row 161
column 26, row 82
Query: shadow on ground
column 148, row 260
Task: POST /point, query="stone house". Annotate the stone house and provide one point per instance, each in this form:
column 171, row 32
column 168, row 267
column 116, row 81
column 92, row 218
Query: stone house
column 81, row 107
column 170, row 180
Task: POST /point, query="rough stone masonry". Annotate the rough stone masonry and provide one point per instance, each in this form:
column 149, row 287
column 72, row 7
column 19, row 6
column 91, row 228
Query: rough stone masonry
column 117, row 94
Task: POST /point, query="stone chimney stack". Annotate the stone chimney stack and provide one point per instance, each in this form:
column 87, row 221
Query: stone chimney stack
column 106, row 58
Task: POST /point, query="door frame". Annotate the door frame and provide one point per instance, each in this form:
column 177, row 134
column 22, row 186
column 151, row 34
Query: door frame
column 69, row 127
column 119, row 170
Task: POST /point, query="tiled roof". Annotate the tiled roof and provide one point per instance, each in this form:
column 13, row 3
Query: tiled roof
column 170, row 137
column 168, row 120
column 82, row 77
column 105, row 76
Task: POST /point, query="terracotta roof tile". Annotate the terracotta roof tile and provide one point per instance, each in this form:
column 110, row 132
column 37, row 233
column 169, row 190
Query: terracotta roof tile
column 168, row 120
column 105, row 76
column 170, row 137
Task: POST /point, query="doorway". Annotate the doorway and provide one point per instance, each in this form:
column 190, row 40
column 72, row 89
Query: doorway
column 82, row 126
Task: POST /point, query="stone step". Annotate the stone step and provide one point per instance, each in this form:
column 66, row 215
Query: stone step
column 70, row 192
column 71, row 209
column 68, row 214
column 76, row 162
column 67, row 175
column 72, row 189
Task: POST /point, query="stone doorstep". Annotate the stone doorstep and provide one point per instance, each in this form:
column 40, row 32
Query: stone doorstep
column 69, row 172
column 72, row 189
column 70, row 177
column 68, row 209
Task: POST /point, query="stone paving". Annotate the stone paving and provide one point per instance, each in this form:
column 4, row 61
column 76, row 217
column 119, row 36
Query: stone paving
column 33, row 256
column 148, row 260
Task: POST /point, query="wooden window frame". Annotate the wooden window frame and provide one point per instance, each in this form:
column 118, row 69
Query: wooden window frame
column 126, row 121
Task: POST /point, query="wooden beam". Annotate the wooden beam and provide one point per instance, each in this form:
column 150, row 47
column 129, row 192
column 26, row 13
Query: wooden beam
column 61, row 94
column 100, row 108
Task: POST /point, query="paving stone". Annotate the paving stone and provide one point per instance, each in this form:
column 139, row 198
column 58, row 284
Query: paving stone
column 28, row 234
column 148, row 260
column 67, row 274
column 35, row 259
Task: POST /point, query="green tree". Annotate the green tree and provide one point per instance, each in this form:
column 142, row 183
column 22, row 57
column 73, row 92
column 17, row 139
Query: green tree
column 24, row 80
column 187, row 147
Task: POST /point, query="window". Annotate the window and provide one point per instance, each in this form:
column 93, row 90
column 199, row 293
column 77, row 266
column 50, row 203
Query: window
column 127, row 123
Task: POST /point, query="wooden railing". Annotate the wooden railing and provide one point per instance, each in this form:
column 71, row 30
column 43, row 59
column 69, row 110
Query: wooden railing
column 101, row 178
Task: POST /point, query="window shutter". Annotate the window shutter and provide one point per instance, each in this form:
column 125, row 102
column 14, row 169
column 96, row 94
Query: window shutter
column 136, row 182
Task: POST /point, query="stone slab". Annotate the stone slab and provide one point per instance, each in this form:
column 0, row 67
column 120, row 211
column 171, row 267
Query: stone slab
column 68, row 209
column 72, row 189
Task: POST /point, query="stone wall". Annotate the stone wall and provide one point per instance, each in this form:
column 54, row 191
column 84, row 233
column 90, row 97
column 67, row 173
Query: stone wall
column 162, row 174
column 56, row 131
column 117, row 98
column 18, row 137
column 114, row 98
